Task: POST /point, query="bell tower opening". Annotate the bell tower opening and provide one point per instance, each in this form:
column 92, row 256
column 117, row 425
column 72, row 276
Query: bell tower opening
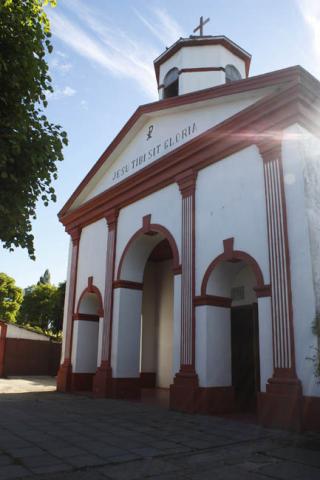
column 171, row 83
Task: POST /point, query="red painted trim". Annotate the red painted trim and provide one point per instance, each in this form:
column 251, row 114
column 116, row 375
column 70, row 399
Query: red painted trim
column 86, row 316
column 127, row 284
column 202, row 69
column 146, row 229
column 200, row 41
column 177, row 270
column 244, row 120
column 264, row 291
column 91, row 289
column 230, row 255
column 213, row 301
column 3, row 328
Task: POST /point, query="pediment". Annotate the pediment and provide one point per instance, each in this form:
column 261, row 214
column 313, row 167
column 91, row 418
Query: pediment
column 159, row 128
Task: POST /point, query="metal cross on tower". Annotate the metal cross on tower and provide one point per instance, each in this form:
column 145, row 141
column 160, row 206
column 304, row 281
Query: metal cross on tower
column 200, row 27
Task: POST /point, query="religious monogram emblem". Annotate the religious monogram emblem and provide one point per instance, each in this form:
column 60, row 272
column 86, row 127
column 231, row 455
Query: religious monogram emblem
column 150, row 130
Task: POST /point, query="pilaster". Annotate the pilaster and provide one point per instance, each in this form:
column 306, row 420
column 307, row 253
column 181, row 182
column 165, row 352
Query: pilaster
column 102, row 382
column 281, row 404
column 185, row 387
column 65, row 371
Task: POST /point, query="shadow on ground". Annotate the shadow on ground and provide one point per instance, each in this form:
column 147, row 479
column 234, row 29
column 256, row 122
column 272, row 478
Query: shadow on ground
column 47, row 435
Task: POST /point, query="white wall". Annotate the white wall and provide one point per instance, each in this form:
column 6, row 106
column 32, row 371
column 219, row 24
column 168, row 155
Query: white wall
column 85, row 346
column 230, row 202
column 157, row 322
column 14, row 331
column 125, row 356
column 66, row 301
column 213, row 346
column 148, row 362
column 299, row 150
column 245, row 278
column 176, row 324
column 165, row 324
column 92, row 257
column 265, row 341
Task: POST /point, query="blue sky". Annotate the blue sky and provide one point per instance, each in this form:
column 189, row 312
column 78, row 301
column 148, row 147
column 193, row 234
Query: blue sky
column 102, row 68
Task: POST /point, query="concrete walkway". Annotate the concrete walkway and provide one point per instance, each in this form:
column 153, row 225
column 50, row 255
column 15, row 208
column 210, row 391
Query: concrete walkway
column 27, row 384
column 63, row 437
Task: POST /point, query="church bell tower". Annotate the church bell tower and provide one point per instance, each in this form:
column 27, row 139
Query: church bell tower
column 199, row 62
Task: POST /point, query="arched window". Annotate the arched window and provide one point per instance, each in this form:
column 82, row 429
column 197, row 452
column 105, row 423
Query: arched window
column 232, row 74
column 171, row 83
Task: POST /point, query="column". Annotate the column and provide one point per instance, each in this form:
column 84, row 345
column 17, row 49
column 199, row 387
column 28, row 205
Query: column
column 280, row 406
column 184, row 389
column 102, row 382
column 65, row 370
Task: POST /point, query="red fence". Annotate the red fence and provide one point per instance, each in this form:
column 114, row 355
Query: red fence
column 19, row 356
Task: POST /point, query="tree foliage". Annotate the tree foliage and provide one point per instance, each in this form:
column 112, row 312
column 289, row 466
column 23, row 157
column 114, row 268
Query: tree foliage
column 30, row 145
column 42, row 307
column 10, row 298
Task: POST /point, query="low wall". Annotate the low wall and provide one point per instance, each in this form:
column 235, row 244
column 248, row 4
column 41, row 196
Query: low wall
column 30, row 357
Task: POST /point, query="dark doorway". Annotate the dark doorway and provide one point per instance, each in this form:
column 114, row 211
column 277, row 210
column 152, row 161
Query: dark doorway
column 245, row 356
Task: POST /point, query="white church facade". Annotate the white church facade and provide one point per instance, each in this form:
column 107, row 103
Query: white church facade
column 194, row 244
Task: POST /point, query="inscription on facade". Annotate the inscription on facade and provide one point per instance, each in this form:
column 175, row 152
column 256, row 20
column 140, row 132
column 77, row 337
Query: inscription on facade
column 157, row 150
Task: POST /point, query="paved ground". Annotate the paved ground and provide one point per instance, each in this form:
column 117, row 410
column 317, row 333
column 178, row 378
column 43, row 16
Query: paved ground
column 27, row 384
column 63, row 437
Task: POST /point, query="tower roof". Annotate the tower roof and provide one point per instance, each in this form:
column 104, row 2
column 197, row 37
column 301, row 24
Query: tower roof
column 195, row 41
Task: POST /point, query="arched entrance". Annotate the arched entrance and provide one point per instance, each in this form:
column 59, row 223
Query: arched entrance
column 85, row 348
column 145, row 329
column 229, row 318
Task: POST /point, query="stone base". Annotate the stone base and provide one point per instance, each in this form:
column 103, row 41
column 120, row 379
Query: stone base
column 184, row 391
column 281, row 405
column 148, row 379
column 64, row 377
column 102, row 381
column 311, row 413
column 216, row 400
column 126, row 388
column 81, row 382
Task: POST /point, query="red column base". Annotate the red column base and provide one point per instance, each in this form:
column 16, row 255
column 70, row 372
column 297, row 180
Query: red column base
column 64, row 377
column 216, row 400
column 184, row 392
column 102, row 381
column 126, row 388
column 281, row 405
column 81, row 382
column 148, row 379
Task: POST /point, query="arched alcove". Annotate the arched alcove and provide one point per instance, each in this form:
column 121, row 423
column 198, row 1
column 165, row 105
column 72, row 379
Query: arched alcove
column 227, row 327
column 144, row 305
column 85, row 346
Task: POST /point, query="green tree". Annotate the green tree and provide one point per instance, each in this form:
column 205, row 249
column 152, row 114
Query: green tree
column 37, row 306
column 45, row 279
column 58, row 306
column 10, row 298
column 30, row 145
